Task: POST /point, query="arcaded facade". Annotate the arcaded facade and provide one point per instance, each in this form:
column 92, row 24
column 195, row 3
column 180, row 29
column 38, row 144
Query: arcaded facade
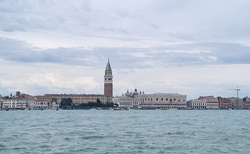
column 151, row 101
column 163, row 101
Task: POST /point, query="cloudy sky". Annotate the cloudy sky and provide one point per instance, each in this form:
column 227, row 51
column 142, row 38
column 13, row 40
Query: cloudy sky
column 194, row 47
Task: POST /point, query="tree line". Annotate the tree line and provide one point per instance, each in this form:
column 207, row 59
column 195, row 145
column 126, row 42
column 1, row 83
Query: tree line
column 67, row 103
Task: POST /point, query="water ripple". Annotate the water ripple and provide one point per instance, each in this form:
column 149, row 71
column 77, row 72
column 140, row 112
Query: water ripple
column 132, row 131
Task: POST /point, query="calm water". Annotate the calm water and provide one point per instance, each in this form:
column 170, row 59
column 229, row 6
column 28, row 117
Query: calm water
column 133, row 131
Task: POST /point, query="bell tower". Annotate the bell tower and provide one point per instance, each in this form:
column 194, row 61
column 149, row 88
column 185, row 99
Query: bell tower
column 108, row 82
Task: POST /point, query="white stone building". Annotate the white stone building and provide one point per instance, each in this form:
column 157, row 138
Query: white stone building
column 123, row 101
column 212, row 102
column 234, row 102
column 29, row 103
column 198, row 104
column 151, row 101
column 163, row 101
column 13, row 104
column 39, row 105
column 54, row 105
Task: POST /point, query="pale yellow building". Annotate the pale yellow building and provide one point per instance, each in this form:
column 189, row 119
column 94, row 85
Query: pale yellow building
column 76, row 98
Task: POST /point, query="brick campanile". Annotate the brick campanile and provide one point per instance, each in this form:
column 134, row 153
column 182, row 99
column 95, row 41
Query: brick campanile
column 108, row 82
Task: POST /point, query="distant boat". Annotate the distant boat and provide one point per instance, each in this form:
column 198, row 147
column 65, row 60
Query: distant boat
column 118, row 109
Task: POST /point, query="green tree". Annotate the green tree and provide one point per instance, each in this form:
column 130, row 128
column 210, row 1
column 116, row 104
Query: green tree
column 54, row 100
column 98, row 103
column 66, row 103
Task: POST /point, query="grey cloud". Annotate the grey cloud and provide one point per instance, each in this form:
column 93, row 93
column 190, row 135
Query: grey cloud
column 178, row 55
column 160, row 20
column 227, row 53
column 42, row 15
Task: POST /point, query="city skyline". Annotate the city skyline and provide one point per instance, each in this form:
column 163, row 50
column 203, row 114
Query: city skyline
column 188, row 47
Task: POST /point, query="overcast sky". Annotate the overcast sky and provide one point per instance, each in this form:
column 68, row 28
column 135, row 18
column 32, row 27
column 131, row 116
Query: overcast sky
column 193, row 47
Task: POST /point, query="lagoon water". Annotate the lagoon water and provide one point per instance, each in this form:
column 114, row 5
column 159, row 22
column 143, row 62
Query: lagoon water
column 132, row 131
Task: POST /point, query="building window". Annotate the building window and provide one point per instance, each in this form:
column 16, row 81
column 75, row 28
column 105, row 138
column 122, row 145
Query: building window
column 151, row 99
column 174, row 99
column 156, row 99
column 161, row 99
column 166, row 99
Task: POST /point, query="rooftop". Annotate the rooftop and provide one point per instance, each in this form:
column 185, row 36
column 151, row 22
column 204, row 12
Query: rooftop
column 108, row 67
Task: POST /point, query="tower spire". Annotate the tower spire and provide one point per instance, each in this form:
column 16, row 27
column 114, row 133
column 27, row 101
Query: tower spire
column 108, row 82
column 108, row 67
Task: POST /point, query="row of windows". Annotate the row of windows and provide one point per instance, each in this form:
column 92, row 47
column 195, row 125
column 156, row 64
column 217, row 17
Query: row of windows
column 78, row 99
column 40, row 103
column 161, row 99
column 165, row 104
column 199, row 107
column 199, row 104
column 126, row 103
column 135, row 103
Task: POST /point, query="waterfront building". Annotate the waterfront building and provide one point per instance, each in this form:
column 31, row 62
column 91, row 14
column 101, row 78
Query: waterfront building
column 76, row 98
column 163, row 101
column 234, row 102
column 212, row 102
column 54, row 105
column 27, row 103
column 246, row 103
column 197, row 104
column 123, row 101
column 39, row 105
column 13, row 104
column 128, row 100
column 224, row 103
column 34, row 104
column 151, row 101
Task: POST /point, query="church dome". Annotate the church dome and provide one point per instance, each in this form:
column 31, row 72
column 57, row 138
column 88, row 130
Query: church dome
column 135, row 92
column 127, row 94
